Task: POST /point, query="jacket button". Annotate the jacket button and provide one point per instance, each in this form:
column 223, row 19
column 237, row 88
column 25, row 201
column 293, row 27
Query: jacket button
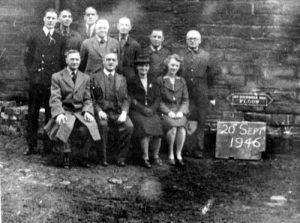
column 43, row 55
column 43, row 62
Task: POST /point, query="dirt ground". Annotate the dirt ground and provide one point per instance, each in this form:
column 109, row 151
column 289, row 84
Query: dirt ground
column 34, row 190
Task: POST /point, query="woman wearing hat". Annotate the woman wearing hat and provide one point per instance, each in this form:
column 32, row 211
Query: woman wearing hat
column 174, row 107
column 144, row 94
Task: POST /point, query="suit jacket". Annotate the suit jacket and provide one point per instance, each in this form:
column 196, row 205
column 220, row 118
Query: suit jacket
column 98, row 92
column 92, row 55
column 73, row 100
column 149, row 99
column 42, row 58
column 82, row 32
column 198, row 71
column 128, row 55
column 157, row 60
column 173, row 98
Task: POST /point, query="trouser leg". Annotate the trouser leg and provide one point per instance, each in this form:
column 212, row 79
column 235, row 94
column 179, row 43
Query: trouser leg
column 34, row 105
column 101, row 149
column 125, row 131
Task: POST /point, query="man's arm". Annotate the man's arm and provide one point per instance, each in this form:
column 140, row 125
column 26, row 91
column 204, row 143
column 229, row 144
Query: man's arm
column 55, row 101
column 29, row 52
column 83, row 56
column 87, row 100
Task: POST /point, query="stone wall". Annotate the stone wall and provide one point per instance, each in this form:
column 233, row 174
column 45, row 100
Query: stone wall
column 257, row 43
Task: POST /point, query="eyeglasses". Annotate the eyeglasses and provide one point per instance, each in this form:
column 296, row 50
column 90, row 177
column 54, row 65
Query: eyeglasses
column 110, row 59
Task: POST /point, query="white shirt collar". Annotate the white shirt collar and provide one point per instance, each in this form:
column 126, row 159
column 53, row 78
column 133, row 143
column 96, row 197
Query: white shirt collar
column 46, row 31
column 70, row 71
column 99, row 39
column 153, row 49
column 126, row 37
column 106, row 72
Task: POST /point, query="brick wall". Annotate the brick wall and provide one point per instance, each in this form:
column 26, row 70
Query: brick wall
column 257, row 43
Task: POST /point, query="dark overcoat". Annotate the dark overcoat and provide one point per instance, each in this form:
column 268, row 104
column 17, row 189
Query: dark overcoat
column 143, row 111
column 128, row 55
column 73, row 100
column 92, row 54
column 156, row 60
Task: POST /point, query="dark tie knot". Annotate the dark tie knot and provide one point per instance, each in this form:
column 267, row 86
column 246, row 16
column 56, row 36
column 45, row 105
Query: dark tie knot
column 102, row 40
column 110, row 76
column 73, row 76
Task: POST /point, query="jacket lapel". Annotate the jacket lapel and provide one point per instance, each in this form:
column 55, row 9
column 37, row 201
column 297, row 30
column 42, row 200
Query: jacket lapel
column 67, row 78
column 178, row 84
column 79, row 80
column 96, row 45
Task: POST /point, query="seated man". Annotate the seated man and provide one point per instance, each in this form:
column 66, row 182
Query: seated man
column 111, row 103
column 71, row 107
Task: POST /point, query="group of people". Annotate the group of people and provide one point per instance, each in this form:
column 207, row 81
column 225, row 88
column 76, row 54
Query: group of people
column 109, row 92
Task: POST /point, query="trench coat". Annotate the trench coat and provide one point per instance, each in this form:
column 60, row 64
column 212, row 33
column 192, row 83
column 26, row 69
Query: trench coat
column 73, row 100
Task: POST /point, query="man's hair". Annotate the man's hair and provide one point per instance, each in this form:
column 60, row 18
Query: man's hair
column 68, row 52
column 90, row 7
column 110, row 53
column 50, row 10
column 67, row 10
column 102, row 20
column 157, row 30
column 125, row 18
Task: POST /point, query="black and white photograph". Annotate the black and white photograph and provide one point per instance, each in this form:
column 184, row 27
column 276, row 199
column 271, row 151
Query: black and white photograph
column 149, row 111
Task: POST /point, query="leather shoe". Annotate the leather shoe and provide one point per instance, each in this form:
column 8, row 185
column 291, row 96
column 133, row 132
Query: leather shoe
column 85, row 164
column 28, row 151
column 157, row 161
column 197, row 154
column 146, row 164
column 171, row 162
column 180, row 163
column 121, row 164
column 66, row 162
column 105, row 163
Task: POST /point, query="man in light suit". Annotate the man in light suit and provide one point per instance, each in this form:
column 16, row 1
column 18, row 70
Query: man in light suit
column 71, row 108
column 94, row 49
column 43, row 56
column 87, row 29
column 111, row 102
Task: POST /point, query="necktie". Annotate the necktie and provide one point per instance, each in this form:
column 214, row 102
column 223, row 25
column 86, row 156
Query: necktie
column 73, row 77
column 122, row 42
column 110, row 77
column 65, row 32
column 88, row 31
column 51, row 40
column 102, row 40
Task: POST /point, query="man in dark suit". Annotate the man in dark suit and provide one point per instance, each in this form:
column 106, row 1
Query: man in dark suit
column 94, row 49
column 157, row 53
column 198, row 71
column 71, row 108
column 72, row 38
column 43, row 57
column 87, row 29
column 111, row 103
column 130, row 49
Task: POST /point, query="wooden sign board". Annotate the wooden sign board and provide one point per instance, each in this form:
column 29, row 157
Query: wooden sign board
column 250, row 99
column 240, row 140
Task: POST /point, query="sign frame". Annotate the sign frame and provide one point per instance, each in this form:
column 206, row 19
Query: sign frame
column 260, row 99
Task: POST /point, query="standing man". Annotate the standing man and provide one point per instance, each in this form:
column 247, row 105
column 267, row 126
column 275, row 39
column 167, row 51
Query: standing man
column 198, row 70
column 72, row 38
column 87, row 30
column 43, row 57
column 111, row 103
column 130, row 49
column 71, row 108
column 156, row 52
column 94, row 49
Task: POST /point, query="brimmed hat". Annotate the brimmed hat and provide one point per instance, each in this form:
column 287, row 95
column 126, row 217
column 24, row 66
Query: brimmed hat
column 143, row 59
